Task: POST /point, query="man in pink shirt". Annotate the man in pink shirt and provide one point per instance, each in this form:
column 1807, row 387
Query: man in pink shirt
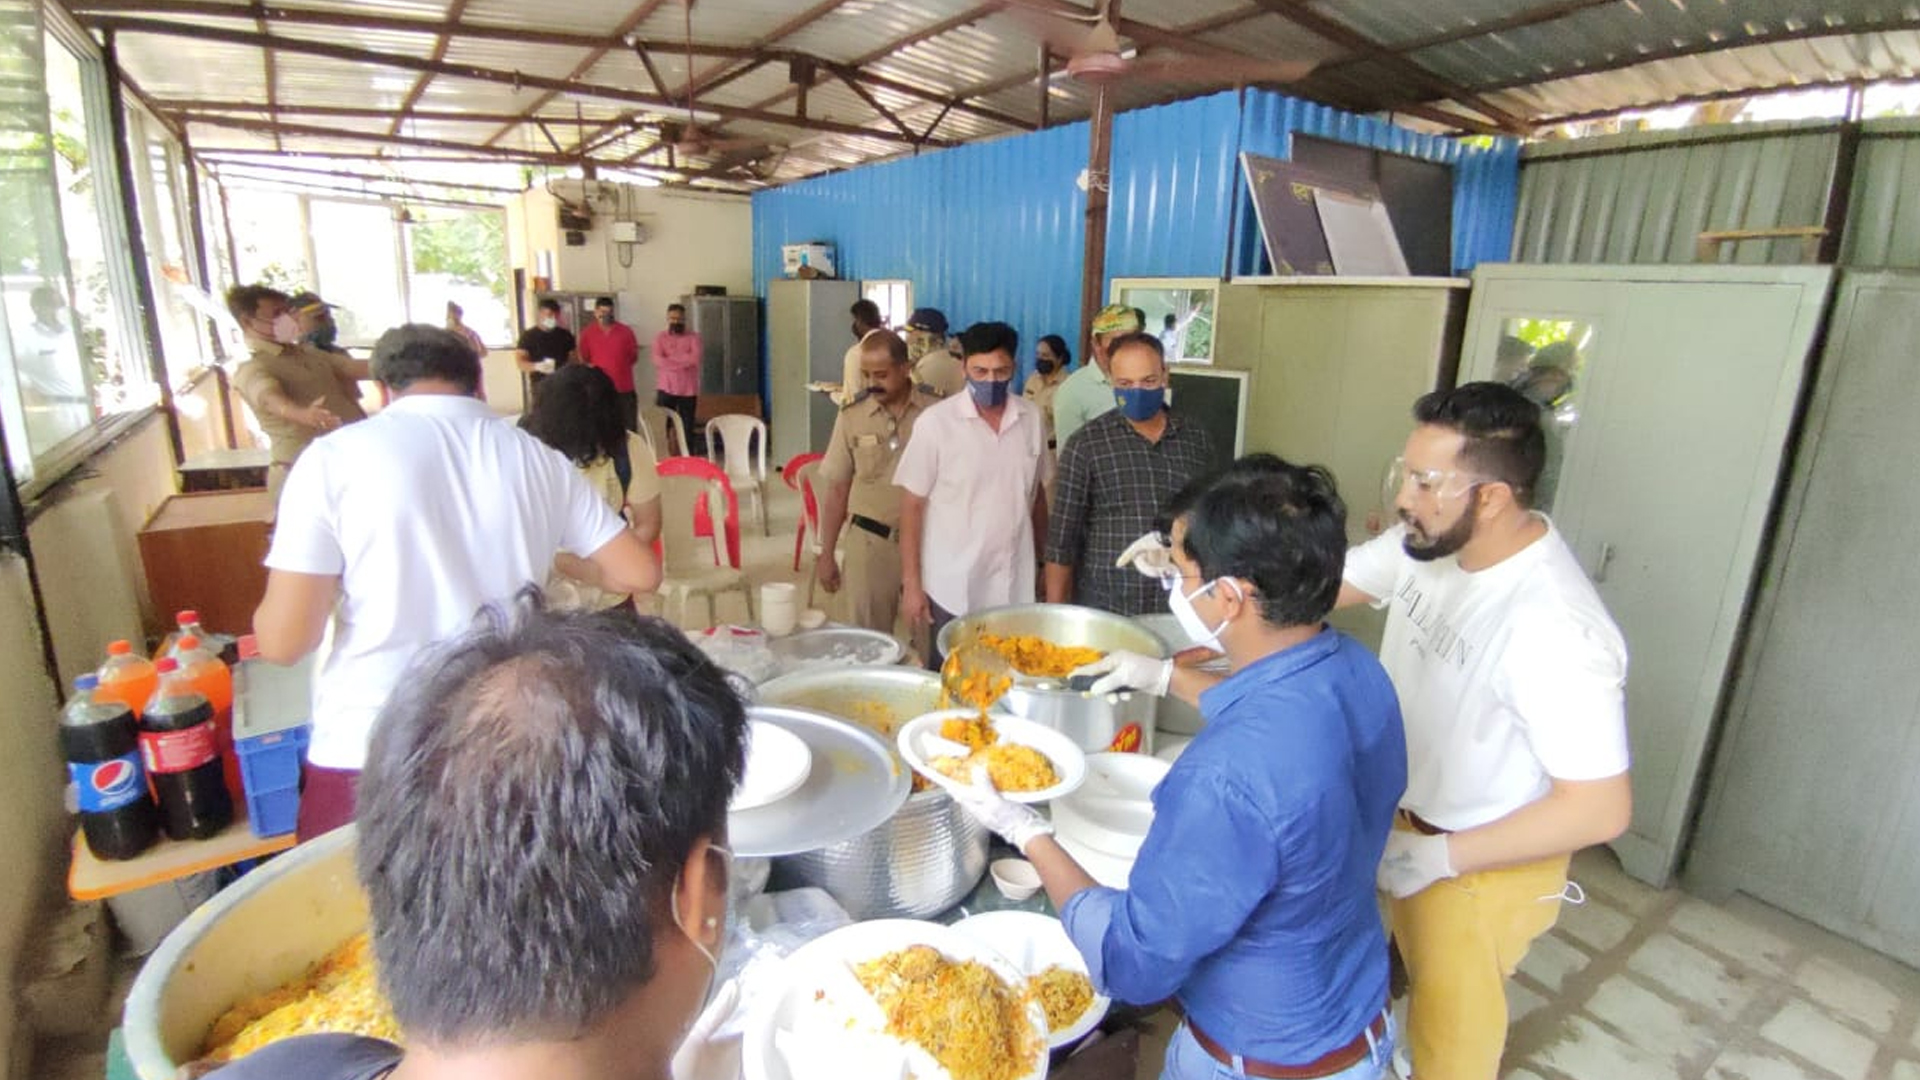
column 676, row 361
column 611, row 347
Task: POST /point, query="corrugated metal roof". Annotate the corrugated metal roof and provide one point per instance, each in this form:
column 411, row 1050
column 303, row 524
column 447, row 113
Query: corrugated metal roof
column 1532, row 59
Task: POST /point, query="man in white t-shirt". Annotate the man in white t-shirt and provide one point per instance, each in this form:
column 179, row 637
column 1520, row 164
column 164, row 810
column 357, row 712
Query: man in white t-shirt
column 394, row 531
column 1512, row 679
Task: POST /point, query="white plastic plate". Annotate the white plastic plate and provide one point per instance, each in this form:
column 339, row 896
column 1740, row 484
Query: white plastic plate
column 778, row 762
column 1069, row 761
column 1036, row 942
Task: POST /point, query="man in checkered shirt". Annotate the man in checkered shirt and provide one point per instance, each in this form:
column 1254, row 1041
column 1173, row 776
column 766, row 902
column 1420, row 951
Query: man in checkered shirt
column 1116, row 474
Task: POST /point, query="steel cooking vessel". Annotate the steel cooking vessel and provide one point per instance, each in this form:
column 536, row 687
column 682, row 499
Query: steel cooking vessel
column 931, row 853
column 1095, row 721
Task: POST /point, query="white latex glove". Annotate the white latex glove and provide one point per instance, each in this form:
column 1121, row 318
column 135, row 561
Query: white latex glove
column 1011, row 821
column 702, row 1056
column 1150, row 555
column 545, row 367
column 1121, row 670
column 1412, row 862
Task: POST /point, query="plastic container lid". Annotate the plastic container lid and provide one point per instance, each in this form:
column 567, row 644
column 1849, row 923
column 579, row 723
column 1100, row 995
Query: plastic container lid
column 87, row 682
column 119, row 648
column 187, row 618
column 187, row 641
column 166, row 664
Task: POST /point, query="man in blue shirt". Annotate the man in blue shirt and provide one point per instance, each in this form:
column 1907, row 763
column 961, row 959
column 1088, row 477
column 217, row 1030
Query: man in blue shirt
column 1252, row 900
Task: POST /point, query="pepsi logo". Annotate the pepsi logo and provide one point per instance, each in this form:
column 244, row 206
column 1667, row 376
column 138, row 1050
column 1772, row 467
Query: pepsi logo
column 114, row 778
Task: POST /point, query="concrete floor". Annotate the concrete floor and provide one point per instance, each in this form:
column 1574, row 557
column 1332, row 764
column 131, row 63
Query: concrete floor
column 1635, row 984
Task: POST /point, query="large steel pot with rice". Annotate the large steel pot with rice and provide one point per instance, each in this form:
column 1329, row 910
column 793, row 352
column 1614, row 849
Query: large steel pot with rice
column 930, row 854
column 1095, row 721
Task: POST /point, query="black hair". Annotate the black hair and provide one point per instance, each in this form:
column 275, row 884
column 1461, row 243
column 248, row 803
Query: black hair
column 577, row 412
column 406, row 354
column 1140, row 338
column 1279, row 525
column 1501, row 427
column 604, row 301
column 986, row 337
column 1170, row 321
column 550, row 304
column 681, row 308
column 243, row 301
column 532, row 791
column 867, row 312
column 1059, row 346
column 895, row 346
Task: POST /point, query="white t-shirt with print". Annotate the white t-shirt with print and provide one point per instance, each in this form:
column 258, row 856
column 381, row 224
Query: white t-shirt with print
column 1508, row 677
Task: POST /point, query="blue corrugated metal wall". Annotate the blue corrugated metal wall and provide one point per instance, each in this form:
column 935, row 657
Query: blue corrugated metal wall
column 1486, row 182
column 994, row 230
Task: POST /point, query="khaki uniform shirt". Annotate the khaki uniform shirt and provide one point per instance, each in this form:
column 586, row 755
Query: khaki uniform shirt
column 939, row 374
column 1040, row 390
column 302, row 373
column 866, row 445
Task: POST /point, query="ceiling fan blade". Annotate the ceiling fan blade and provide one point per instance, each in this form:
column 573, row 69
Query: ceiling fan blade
column 1216, row 69
column 729, row 146
column 1062, row 35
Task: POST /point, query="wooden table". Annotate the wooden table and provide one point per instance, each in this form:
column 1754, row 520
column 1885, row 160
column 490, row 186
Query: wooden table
column 223, row 470
column 92, row 878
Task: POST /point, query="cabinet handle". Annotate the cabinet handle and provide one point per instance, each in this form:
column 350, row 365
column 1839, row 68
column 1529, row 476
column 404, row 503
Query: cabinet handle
column 1599, row 574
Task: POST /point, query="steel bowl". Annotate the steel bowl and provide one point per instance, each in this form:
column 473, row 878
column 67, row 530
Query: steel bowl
column 1096, row 722
column 931, row 853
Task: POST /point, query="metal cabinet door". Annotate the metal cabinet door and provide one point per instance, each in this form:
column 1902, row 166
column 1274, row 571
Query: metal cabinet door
column 1812, row 805
column 1668, row 474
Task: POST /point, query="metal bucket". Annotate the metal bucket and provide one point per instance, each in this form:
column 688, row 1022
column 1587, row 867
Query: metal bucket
column 1094, row 721
column 931, row 853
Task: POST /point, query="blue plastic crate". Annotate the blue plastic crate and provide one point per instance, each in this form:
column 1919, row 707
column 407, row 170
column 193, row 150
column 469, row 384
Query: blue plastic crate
column 273, row 813
column 271, row 762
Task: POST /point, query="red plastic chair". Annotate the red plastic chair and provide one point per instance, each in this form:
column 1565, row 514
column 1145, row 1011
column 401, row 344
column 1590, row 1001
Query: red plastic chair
column 703, row 525
column 810, row 514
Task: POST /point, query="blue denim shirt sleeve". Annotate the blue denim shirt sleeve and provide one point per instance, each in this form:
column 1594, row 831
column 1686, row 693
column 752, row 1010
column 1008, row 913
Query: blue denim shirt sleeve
column 1209, row 860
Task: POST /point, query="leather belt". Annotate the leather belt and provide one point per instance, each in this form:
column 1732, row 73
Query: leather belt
column 1422, row 825
column 1331, row 1063
column 884, row 532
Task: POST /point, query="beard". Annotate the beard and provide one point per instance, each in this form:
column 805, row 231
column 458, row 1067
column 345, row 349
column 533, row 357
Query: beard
column 1423, row 547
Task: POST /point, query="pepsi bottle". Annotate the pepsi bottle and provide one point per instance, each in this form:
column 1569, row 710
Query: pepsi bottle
column 100, row 741
column 181, row 748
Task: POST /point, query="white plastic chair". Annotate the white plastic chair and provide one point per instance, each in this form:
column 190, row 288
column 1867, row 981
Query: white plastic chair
column 740, row 435
column 691, row 564
column 665, row 432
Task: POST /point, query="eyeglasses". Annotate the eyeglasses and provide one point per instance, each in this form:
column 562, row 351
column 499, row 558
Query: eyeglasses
column 1429, row 483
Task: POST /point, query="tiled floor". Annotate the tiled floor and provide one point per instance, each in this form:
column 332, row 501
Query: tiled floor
column 1635, row 984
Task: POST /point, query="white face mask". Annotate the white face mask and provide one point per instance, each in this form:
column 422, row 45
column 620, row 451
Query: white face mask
column 286, row 328
column 1181, row 604
column 549, row 323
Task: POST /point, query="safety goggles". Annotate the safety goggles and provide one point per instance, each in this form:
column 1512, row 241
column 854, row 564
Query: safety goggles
column 1427, row 483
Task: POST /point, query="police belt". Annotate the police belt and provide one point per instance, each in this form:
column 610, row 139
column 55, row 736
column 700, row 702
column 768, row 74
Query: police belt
column 884, row 532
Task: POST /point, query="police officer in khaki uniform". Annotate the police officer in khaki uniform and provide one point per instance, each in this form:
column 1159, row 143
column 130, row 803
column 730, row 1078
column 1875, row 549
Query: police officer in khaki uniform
column 936, row 370
column 867, row 441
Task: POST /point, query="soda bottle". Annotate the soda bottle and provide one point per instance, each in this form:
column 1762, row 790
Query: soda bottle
column 181, row 748
column 127, row 677
column 187, row 623
column 100, row 741
column 214, row 680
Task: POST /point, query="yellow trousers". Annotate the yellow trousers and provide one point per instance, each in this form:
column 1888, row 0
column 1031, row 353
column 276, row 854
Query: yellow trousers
column 1461, row 940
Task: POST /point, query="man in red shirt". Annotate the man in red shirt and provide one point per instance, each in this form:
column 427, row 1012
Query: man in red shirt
column 611, row 347
column 676, row 361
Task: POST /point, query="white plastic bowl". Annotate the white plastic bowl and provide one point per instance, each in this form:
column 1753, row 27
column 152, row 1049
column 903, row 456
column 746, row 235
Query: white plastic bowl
column 1015, row 878
column 1112, row 812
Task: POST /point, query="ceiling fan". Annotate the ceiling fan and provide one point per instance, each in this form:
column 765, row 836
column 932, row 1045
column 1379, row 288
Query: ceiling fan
column 689, row 139
column 1092, row 44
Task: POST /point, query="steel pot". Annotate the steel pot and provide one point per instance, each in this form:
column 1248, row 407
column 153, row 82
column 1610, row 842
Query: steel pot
column 1096, row 722
column 931, row 853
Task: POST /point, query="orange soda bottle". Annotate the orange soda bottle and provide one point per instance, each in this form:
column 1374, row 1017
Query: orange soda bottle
column 127, row 677
column 213, row 680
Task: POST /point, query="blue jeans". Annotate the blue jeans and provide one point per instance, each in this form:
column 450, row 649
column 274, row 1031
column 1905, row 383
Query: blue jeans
column 1187, row 1061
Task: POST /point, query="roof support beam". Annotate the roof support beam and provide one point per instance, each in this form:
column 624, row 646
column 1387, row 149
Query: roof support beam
column 370, row 178
column 634, row 18
column 875, row 104
column 272, row 76
column 653, row 70
column 454, row 11
column 344, row 112
column 1296, row 12
column 470, row 71
column 350, row 20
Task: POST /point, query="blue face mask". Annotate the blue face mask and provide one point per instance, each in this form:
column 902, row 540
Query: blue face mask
column 1140, row 403
column 989, row 393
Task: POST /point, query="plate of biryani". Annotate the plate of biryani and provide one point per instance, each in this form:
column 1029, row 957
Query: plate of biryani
column 1028, row 762
column 1038, row 945
column 897, row 998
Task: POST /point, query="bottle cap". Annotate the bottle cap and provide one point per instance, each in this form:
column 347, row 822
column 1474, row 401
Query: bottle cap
column 119, row 648
column 167, row 665
column 187, row 618
column 86, row 683
column 187, row 641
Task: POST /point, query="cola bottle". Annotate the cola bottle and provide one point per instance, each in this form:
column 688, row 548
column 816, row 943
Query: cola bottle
column 181, row 748
column 100, row 740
